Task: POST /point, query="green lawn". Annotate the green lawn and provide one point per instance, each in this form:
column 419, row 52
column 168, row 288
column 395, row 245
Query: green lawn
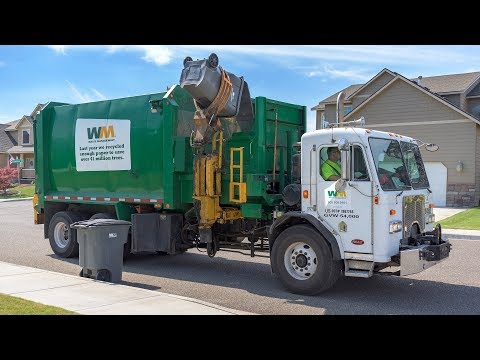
column 468, row 220
column 10, row 305
column 21, row 191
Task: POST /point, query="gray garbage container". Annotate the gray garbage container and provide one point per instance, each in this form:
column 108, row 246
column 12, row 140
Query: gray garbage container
column 100, row 244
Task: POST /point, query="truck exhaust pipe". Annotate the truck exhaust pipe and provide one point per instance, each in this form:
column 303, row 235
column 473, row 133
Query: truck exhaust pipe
column 340, row 107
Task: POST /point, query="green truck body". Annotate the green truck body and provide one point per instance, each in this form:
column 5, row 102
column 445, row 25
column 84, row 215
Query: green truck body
column 159, row 170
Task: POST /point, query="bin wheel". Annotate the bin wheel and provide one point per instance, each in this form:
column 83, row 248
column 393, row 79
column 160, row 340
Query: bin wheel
column 212, row 61
column 81, row 273
column 188, row 58
column 103, row 275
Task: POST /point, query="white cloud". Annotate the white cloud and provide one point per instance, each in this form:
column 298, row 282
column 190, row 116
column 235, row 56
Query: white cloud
column 366, row 54
column 334, row 73
column 93, row 95
column 58, row 48
column 355, row 75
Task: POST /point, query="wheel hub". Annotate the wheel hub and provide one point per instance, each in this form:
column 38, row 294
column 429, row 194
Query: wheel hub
column 300, row 261
column 61, row 234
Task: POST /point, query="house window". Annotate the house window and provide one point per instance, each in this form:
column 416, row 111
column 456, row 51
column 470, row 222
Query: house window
column 26, row 137
column 347, row 109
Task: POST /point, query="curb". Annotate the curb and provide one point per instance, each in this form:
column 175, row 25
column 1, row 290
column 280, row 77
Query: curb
column 16, row 199
column 459, row 236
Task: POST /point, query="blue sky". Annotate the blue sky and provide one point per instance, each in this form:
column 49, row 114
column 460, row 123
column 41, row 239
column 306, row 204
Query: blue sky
column 292, row 73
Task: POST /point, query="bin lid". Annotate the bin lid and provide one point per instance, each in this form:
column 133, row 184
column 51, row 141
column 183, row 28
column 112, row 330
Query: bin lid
column 99, row 222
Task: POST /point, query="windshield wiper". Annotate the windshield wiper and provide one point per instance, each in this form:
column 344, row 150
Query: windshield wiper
column 396, row 197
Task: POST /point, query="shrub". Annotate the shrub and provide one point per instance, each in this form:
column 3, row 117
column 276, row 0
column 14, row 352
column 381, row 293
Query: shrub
column 6, row 176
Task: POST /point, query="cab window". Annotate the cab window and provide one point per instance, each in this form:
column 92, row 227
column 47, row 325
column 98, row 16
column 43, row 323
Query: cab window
column 359, row 167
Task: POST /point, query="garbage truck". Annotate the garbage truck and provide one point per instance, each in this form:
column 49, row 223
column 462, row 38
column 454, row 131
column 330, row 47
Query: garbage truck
column 205, row 166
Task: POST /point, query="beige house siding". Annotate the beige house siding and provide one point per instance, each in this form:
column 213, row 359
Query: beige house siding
column 330, row 112
column 454, row 99
column 371, row 88
column 401, row 102
column 477, row 166
column 3, row 160
column 473, row 106
column 449, row 152
column 318, row 120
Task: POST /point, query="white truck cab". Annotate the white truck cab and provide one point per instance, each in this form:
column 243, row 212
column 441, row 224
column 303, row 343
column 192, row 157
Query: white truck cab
column 374, row 215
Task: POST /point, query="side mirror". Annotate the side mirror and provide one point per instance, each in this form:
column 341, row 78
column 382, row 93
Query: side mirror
column 431, row 147
column 344, row 147
column 343, row 144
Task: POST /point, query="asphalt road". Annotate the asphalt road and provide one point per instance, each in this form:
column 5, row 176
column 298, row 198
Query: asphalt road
column 240, row 282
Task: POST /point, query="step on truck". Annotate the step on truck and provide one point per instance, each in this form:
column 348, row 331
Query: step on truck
column 204, row 166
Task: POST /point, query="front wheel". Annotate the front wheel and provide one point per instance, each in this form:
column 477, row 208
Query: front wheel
column 303, row 261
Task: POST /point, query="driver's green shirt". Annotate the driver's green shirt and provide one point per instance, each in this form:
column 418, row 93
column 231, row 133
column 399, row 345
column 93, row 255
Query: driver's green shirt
column 330, row 168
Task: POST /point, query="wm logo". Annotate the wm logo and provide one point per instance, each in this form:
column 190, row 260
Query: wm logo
column 337, row 194
column 101, row 132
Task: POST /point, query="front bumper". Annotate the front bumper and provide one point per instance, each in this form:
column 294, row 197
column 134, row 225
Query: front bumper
column 416, row 259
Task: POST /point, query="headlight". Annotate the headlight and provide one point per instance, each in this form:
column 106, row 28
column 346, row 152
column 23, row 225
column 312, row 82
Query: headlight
column 395, row 226
column 429, row 218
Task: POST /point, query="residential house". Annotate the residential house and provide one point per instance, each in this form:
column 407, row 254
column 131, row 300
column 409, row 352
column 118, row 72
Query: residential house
column 444, row 110
column 16, row 140
column 7, row 141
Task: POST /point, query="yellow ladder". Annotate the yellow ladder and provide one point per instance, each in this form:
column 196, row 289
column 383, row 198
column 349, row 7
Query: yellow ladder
column 239, row 186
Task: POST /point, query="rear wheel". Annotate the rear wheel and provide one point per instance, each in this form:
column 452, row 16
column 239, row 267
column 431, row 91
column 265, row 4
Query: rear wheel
column 303, row 261
column 128, row 245
column 63, row 239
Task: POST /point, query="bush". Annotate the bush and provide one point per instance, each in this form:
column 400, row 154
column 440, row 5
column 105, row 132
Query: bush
column 6, row 176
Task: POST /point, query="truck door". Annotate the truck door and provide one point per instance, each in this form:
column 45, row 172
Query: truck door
column 348, row 212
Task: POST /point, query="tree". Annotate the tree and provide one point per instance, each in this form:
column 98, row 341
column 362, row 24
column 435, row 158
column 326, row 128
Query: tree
column 6, row 176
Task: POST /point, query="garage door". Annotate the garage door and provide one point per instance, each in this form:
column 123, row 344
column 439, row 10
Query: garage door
column 437, row 177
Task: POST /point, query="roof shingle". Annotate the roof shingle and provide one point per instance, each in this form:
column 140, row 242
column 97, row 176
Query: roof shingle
column 435, row 84
column 6, row 139
column 449, row 83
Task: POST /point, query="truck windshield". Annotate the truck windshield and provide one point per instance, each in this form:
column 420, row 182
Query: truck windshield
column 389, row 164
column 414, row 164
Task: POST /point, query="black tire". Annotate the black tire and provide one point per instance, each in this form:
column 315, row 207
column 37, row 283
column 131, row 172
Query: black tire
column 128, row 245
column 188, row 58
column 328, row 270
column 70, row 249
column 212, row 61
column 102, row 216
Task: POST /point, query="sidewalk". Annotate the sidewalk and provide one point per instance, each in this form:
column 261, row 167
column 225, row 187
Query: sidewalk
column 88, row 296
column 460, row 234
column 444, row 212
column 16, row 199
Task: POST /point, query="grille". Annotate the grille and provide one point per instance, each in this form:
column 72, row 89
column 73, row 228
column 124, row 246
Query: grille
column 413, row 212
